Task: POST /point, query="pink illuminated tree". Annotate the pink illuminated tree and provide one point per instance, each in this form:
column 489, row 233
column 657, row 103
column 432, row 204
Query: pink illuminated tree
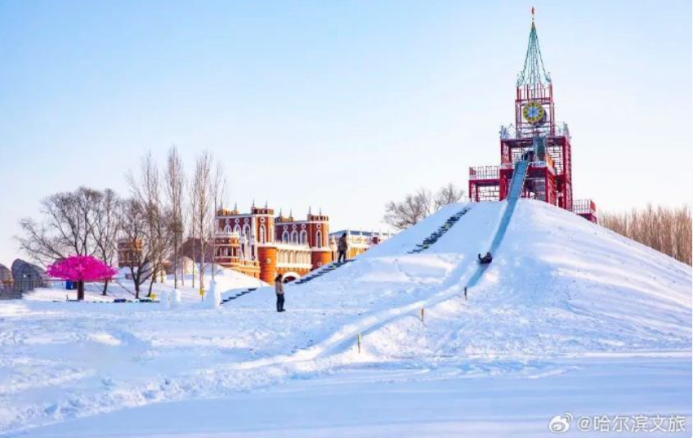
column 81, row 269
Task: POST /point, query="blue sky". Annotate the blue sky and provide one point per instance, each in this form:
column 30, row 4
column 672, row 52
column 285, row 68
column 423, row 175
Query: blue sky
column 371, row 98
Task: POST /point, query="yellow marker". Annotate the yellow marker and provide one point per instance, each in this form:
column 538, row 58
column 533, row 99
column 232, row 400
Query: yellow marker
column 153, row 296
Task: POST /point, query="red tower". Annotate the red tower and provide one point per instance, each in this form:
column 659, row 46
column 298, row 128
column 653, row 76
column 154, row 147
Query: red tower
column 535, row 136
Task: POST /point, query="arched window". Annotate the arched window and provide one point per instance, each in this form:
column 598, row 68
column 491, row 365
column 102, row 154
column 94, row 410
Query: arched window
column 294, row 237
column 262, row 234
column 285, row 237
column 237, row 229
column 318, row 239
column 304, row 237
column 246, row 231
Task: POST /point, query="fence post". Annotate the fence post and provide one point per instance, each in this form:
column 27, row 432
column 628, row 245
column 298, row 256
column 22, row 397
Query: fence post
column 358, row 341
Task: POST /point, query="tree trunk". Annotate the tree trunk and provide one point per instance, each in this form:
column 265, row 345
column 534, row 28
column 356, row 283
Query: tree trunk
column 151, row 282
column 193, row 263
column 202, row 259
column 175, row 264
column 80, row 290
column 105, row 288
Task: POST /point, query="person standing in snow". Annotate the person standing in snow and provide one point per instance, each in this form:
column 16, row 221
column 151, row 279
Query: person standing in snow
column 342, row 248
column 279, row 290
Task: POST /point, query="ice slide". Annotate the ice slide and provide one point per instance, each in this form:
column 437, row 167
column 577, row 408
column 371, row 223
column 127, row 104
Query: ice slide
column 516, row 185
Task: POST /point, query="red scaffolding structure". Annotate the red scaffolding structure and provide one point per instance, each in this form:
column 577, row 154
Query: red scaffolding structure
column 550, row 173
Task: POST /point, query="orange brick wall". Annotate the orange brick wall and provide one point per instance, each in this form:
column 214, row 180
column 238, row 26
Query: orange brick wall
column 321, row 258
column 267, row 256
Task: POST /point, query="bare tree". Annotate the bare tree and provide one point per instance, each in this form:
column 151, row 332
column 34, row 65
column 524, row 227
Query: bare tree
column 409, row 211
column 667, row 230
column 137, row 254
column 67, row 226
column 417, row 206
column 105, row 229
column 202, row 204
column 175, row 182
column 147, row 189
column 448, row 194
column 218, row 191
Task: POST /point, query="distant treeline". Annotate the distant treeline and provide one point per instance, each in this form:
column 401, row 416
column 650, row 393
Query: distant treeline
column 665, row 229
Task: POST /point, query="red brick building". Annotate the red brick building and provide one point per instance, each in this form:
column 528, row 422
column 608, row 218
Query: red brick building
column 262, row 245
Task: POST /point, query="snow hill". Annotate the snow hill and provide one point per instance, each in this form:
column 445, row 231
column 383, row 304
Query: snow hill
column 559, row 287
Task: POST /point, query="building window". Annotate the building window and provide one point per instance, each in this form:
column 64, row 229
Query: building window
column 304, row 237
column 262, row 234
column 318, row 239
column 294, row 237
column 285, row 236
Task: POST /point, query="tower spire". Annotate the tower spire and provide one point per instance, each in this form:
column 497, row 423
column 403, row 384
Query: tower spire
column 533, row 71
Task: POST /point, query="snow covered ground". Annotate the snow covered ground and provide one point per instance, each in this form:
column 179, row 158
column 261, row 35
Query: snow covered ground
column 570, row 317
column 416, row 400
column 226, row 280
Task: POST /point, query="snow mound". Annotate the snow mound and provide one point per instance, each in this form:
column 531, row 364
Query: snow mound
column 558, row 285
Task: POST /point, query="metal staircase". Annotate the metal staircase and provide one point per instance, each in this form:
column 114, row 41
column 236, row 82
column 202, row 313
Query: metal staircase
column 238, row 295
column 433, row 238
column 320, row 272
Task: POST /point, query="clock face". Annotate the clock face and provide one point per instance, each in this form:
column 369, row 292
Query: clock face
column 533, row 112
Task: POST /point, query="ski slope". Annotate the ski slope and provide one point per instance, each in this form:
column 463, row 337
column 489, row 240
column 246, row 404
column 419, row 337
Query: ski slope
column 561, row 292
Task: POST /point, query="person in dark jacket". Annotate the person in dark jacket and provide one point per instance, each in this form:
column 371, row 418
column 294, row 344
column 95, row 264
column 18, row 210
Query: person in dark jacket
column 485, row 260
column 279, row 290
column 342, row 248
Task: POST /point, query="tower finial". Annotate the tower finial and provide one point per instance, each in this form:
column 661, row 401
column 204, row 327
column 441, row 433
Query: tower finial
column 266, row 203
column 310, row 210
column 533, row 72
